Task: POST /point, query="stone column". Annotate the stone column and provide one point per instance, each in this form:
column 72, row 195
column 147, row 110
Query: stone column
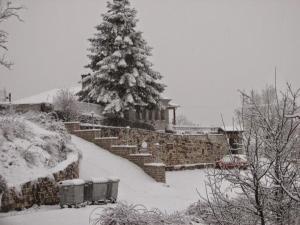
column 167, row 116
column 152, row 116
column 158, row 115
column 147, row 115
column 174, row 116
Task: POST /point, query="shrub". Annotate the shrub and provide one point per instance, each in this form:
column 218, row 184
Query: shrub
column 125, row 214
column 48, row 121
column 66, row 102
column 12, row 126
column 121, row 122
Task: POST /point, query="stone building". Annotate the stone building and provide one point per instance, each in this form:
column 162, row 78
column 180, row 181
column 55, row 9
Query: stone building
column 160, row 117
column 235, row 138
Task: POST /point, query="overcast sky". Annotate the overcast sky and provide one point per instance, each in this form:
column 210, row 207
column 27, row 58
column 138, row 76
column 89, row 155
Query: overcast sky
column 205, row 49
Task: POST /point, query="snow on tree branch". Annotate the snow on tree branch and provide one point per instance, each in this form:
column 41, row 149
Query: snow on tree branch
column 121, row 76
column 268, row 191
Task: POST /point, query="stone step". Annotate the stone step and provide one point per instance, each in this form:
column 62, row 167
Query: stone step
column 140, row 158
column 88, row 134
column 123, row 150
column 156, row 170
column 106, row 138
column 105, row 142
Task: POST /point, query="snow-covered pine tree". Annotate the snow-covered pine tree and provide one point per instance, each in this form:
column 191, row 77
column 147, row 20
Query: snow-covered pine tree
column 121, row 77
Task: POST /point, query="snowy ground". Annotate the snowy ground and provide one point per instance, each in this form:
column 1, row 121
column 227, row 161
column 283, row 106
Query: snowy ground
column 135, row 187
column 45, row 97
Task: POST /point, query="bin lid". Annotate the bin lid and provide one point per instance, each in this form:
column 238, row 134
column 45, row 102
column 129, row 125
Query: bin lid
column 114, row 179
column 99, row 180
column 71, row 182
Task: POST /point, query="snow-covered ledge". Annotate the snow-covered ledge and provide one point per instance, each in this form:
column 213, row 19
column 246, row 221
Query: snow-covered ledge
column 72, row 126
column 42, row 190
column 156, row 170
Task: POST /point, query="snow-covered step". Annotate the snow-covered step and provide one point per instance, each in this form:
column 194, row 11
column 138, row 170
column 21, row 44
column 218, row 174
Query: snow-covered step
column 156, row 170
column 88, row 134
column 106, row 138
column 105, row 142
column 141, row 158
column 123, row 150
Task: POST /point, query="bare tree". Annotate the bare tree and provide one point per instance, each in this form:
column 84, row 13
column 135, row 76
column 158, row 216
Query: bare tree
column 66, row 102
column 182, row 120
column 7, row 11
column 268, row 192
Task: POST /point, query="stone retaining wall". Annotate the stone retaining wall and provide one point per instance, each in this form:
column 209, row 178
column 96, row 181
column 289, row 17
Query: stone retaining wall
column 72, row 126
column 126, row 151
column 43, row 191
column 190, row 166
column 156, row 170
column 169, row 148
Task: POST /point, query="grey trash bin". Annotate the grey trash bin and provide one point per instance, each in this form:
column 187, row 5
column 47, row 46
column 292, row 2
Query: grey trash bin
column 71, row 193
column 99, row 190
column 112, row 189
column 88, row 191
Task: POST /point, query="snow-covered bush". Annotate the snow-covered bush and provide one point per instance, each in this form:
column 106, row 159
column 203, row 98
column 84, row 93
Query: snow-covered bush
column 125, row 214
column 48, row 122
column 201, row 212
column 66, row 102
column 11, row 126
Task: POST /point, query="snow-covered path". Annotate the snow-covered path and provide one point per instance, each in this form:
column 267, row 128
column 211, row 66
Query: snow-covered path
column 135, row 187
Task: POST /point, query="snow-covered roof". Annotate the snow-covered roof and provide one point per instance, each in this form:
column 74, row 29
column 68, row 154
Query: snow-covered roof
column 45, row 97
column 71, row 182
column 173, row 105
column 114, row 179
column 99, row 180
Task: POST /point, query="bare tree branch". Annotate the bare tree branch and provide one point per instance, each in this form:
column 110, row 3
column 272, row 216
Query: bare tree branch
column 7, row 11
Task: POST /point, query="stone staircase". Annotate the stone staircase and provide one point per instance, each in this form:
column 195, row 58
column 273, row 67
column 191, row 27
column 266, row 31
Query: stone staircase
column 130, row 152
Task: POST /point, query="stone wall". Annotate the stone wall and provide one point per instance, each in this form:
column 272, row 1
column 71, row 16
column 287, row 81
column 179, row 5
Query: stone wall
column 156, row 170
column 72, row 126
column 168, row 148
column 43, row 191
column 173, row 149
column 22, row 108
column 130, row 152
